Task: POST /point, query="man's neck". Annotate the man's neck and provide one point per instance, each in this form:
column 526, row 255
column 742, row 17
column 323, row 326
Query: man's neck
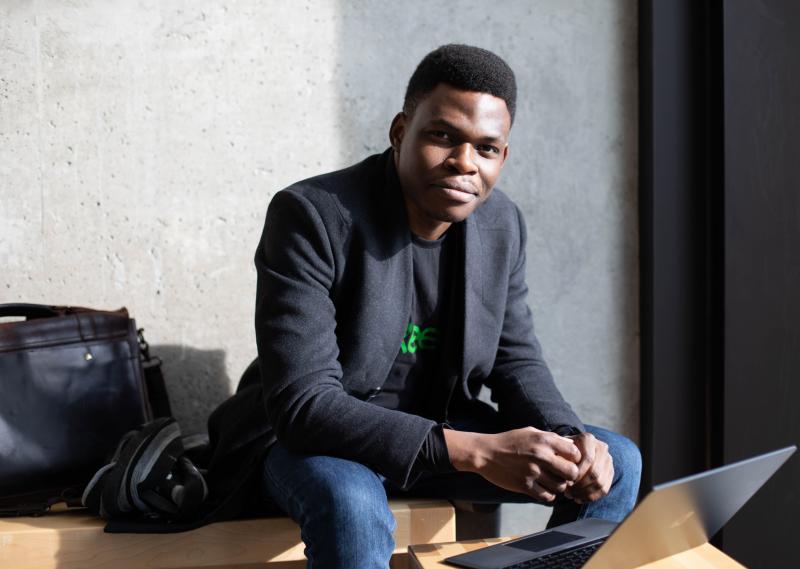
column 431, row 233
column 422, row 225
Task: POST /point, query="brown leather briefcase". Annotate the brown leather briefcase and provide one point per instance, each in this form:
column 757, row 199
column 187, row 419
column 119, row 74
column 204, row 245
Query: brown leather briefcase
column 71, row 385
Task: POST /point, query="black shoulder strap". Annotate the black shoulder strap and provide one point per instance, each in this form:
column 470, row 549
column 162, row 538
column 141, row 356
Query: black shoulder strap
column 154, row 380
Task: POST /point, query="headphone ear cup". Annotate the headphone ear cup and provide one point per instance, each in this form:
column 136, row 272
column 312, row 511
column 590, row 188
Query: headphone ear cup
column 110, row 486
column 92, row 498
column 189, row 497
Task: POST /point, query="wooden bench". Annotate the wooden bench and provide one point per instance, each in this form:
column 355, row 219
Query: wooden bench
column 75, row 540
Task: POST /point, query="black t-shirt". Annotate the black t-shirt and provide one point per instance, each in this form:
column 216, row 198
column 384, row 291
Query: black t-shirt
column 408, row 386
column 416, row 369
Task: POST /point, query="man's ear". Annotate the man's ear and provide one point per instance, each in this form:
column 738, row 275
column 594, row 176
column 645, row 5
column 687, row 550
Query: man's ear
column 505, row 153
column 397, row 131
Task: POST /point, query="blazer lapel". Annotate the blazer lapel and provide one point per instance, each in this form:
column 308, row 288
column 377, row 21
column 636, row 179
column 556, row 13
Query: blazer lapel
column 473, row 288
column 390, row 272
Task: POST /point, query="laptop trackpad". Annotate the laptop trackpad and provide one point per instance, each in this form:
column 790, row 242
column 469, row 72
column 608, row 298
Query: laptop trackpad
column 544, row 541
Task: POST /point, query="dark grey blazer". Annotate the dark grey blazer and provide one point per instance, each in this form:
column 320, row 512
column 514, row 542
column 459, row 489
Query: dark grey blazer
column 333, row 299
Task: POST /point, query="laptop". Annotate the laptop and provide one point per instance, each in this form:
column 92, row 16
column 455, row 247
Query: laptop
column 674, row 517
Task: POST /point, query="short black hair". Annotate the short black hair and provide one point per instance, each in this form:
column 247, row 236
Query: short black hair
column 463, row 67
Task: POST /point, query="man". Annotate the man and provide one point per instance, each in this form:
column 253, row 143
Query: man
column 388, row 294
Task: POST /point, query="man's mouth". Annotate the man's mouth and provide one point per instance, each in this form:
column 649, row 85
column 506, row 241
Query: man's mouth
column 457, row 192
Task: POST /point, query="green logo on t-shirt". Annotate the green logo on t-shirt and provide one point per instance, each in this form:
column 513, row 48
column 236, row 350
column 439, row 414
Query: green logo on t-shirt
column 418, row 339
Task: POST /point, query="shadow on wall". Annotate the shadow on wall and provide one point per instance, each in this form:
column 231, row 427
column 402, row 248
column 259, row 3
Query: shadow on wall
column 196, row 382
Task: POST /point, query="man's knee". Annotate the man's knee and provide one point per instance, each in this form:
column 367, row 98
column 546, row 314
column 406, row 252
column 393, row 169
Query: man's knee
column 347, row 520
column 356, row 501
column 627, row 457
column 340, row 505
column 324, row 490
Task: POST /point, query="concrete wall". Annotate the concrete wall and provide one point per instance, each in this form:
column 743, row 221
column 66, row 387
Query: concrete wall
column 140, row 142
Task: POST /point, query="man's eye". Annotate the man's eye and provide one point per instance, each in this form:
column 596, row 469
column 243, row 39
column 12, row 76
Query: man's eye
column 488, row 149
column 440, row 134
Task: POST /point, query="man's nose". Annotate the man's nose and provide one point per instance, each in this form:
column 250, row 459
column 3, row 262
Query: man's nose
column 462, row 159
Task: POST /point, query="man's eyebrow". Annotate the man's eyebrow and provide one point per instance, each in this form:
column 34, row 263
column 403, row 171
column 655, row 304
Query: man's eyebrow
column 442, row 123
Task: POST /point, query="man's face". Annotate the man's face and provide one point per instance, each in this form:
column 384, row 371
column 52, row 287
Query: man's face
column 448, row 156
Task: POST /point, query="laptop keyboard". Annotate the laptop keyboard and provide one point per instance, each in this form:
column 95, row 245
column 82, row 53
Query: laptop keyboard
column 572, row 558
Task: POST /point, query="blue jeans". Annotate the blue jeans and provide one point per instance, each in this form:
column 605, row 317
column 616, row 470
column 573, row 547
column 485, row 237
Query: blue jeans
column 344, row 517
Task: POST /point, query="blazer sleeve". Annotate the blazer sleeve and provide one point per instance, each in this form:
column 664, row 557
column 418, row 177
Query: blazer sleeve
column 520, row 381
column 306, row 403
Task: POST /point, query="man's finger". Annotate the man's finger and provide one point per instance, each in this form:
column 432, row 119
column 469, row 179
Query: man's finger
column 552, row 483
column 583, row 467
column 587, row 445
column 560, row 468
column 591, row 480
column 590, row 494
column 596, row 483
column 566, row 447
column 593, row 452
column 538, row 491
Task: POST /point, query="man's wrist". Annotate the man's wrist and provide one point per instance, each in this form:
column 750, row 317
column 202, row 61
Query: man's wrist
column 567, row 430
column 462, row 447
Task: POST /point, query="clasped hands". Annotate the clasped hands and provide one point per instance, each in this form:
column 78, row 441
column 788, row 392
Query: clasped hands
column 538, row 463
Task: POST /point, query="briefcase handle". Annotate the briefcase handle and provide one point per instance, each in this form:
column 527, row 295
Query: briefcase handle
column 29, row 311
